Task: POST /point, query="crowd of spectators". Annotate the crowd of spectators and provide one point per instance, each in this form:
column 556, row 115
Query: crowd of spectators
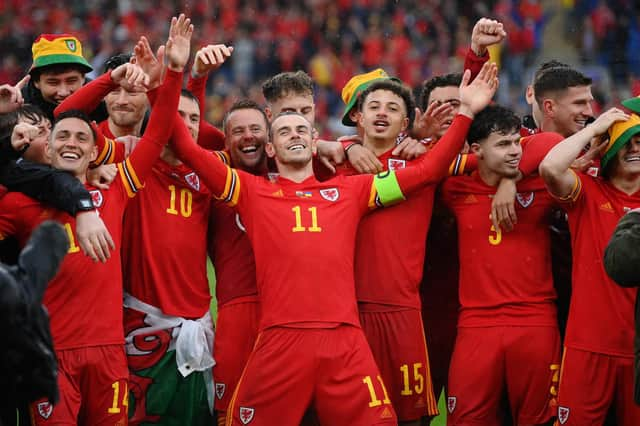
column 331, row 40
column 606, row 34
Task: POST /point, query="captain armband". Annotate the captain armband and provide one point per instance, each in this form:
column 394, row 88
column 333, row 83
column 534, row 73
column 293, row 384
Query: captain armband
column 387, row 188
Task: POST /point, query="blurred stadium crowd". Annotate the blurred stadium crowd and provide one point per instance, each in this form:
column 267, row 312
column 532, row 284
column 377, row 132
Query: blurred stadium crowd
column 334, row 39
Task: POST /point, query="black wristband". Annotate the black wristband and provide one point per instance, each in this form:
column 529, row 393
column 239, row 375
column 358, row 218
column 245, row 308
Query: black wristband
column 84, row 205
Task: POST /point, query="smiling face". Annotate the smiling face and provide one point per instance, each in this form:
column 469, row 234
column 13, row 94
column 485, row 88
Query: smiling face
column 245, row 138
column 291, row 142
column 384, row 115
column 499, row 154
column 570, row 109
column 72, row 147
column 125, row 108
column 626, row 162
column 56, row 87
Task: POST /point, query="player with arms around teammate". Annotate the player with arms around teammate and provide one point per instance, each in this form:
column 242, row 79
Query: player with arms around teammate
column 309, row 313
column 246, row 133
column 506, row 289
column 597, row 364
column 85, row 299
column 388, row 296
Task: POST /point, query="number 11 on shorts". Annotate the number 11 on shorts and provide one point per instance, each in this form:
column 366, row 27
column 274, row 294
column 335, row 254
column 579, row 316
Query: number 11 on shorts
column 375, row 401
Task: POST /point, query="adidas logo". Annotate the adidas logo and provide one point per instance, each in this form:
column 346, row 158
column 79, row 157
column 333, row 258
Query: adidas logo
column 386, row 413
column 470, row 199
column 278, row 193
column 606, row 207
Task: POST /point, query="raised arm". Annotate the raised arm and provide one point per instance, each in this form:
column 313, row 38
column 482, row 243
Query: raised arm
column 161, row 121
column 88, row 97
column 486, row 32
column 555, row 168
column 207, row 59
column 11, row 96
column 218, row 177
column 435, row 164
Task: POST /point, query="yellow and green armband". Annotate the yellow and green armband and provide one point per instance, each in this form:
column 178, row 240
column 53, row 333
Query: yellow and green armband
column 387, row 188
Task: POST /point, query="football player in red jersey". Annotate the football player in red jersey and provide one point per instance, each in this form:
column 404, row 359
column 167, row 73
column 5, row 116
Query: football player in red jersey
column 597, row 364
column 85, row 299
column 245, row 126
column 309, row 318
column 503, row 309
column 388, row 275
column 164, row 243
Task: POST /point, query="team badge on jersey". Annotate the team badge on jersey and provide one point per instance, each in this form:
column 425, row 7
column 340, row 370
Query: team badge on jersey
column 96, row 197
column 246, row 415
column 45, row 409
column 396, row 164
column 220, row 387
column 451, row 404
column 193, row 180
column 563, row 414
column 330, row 194
column 593, row 171
column 525, row 199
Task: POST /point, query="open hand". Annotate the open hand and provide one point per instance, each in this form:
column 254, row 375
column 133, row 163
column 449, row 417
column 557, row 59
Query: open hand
column 11, row 96
column 178, row 44
column 210, row 58
column 475, row 96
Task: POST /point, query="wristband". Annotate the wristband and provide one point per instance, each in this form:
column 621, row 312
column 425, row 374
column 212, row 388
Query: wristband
column 84, row 205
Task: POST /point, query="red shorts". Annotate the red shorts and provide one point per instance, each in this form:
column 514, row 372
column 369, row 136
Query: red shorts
column 440, row 327
column 291, row 369
column 489, row 362
column 93, row 386
column 236, row 332
column 590, row 384
column 398, row 345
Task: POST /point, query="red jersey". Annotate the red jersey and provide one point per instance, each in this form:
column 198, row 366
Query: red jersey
column 505, row 278
column 601, row 314
column 164, row 249
column 303, row 234
column 209, row 136
column 390, row 245
column 85, row 298
column 165, row 227
column 312, row 220
column 87, row 99
column 231, row 252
